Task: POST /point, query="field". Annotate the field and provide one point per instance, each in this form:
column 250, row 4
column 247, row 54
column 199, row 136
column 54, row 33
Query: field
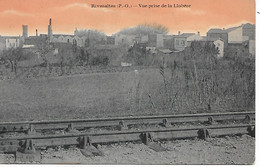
column 78, row 96
column 126, row 93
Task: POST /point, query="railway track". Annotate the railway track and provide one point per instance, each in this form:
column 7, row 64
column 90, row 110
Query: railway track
column 25, row 146
column 122, row 122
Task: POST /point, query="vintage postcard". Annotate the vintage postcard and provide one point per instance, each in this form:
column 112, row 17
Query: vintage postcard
column 127, row 82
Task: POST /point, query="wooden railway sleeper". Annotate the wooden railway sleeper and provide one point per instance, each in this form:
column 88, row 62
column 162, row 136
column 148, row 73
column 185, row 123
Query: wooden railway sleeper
column 251, row 131
column 122, row 125
column 204, row 134
column 28, row 153
column 28, row 147
column 87, row 149
column 247, row 119
column 166, row 123
column 71, row 128
column 31, row 129
column 147, row 139
column 211, row 121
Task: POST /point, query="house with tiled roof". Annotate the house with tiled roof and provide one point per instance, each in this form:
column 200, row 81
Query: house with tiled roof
column 236, row 36
column 72, row 39
column 233, row 35
column 181, row 41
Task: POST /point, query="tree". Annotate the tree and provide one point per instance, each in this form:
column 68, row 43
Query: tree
column 83, row 57
column 137, row 54
column 12, row 56
column 43, row 48
column 145, row 29
column 200, row 73
column 67, row 58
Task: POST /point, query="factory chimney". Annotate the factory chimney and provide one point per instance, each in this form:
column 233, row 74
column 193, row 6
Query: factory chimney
column 49, row 29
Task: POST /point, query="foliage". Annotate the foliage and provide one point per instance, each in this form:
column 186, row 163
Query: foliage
column 201, row 81
column 12, row 56
column 99, row 60
column 83, row 57
column 137, row 54
column 145, row 29
column 43, row 49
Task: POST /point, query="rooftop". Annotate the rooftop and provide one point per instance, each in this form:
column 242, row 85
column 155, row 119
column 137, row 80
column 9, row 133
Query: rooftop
column 185, row 35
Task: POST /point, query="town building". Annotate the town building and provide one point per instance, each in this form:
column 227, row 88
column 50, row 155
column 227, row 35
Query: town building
column 168, row 42
column 155, row 40
column 181, row 41
column 235, row 37
column 12, row 42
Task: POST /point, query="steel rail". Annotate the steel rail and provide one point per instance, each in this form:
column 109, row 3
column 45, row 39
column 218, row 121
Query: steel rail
column 13, row 143
column 114, row 121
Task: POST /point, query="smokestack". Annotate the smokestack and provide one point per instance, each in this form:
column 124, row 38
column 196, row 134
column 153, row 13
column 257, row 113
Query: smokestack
column 179, row 33
column 49, row 29
column 198, row 33
column 36, row 33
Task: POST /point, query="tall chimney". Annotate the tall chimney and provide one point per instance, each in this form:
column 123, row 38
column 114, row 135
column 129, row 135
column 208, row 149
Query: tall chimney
column 198, row 33
column 49, row 29
column 36, row 33
column 179, row 33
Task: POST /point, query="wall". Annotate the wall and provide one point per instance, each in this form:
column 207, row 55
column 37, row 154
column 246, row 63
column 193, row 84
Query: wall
column 249, row 30
column 194, row 37
column 235, row 36
column 223, row 36
column 2, row 44
column 180, row 43
column 159, row 40
column 252, row 47
column 80, row 41
column 12, row 43
column 220, row 46
column 169, row 43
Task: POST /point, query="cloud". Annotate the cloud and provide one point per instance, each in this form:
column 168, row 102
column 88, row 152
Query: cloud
column 17, row 13
column 195, row 12
column 82, row 5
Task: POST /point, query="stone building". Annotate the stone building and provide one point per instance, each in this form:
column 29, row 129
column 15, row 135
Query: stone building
column 181, row 41
column 236, row 37
column 12, row 42
column 155, row 40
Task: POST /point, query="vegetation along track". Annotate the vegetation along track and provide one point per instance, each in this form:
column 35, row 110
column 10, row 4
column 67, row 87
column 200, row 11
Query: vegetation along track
column 25, row 146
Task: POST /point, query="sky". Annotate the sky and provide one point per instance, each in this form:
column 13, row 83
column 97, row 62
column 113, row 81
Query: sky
column 68, row 14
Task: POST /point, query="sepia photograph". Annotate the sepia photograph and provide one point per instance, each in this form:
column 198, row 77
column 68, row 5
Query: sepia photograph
column 127, row 82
